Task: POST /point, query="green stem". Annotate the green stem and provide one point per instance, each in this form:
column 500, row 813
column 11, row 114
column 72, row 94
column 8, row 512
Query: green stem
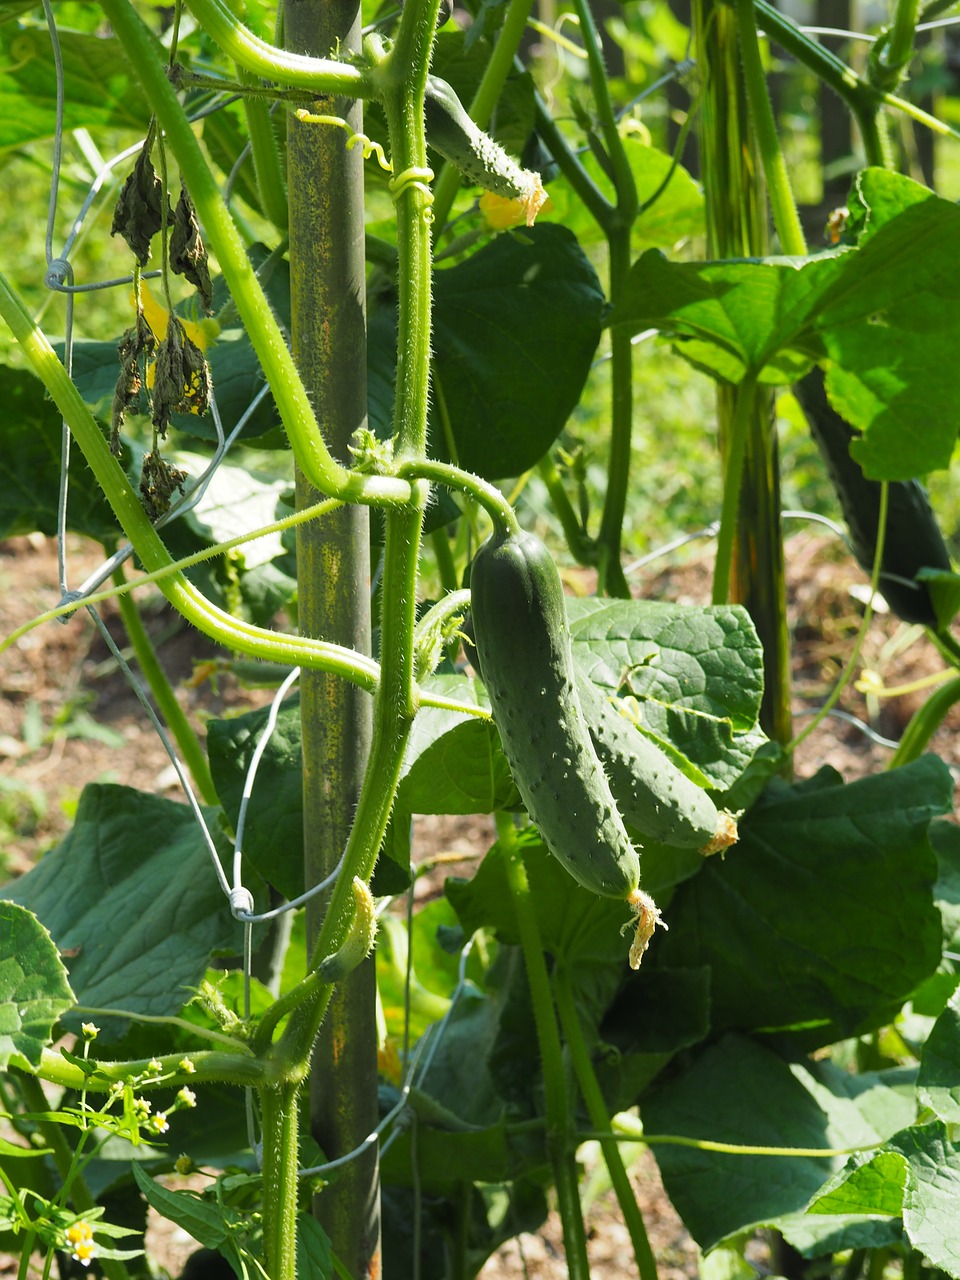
column 589, row 194
column 446, row 566
column 559, row 1121
column 265, row 334
column 621, row 426
column 63, row 1157
column 892, row 53
column 486, row 494
column 924, row 723
column 498, row 67
column 279, row 1116
column 627, row 204
column 209, row 1065
column 599, row 1118
column 779, row 190
column 271, row 180
column 318, row 76
column 860, row 97
column 581, row 545
column 193, row 753
column 732, row 481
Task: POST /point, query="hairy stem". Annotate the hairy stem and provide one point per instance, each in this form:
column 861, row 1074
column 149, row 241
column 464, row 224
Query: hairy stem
column 560, row 1138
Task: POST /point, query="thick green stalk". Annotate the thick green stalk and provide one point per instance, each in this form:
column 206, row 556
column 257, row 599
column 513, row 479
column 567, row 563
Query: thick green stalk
column 887, row 68
column 582, row 548
column 600, row 1119
column 752, row 570
column 590, row 195
column 786, row 219
column 481, row 109
column 560, row 1136
column 333, row 571
column 252, row 305
column 279, row 1117
column 209, row 1065
column 266, row 61
column 193, row 753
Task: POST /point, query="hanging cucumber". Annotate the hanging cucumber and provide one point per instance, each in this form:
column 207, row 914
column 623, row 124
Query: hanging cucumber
column 652, row 793
column 913, row 539
column 520, row 627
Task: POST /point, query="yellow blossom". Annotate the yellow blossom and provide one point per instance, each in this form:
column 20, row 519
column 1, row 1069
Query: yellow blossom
column 80, row 1235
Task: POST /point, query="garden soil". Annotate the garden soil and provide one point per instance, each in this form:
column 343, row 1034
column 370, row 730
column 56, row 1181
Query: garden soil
column 67, row 717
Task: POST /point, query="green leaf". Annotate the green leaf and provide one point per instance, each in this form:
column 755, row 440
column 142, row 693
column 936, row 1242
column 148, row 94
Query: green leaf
column 131, row 893
column 938, row 1086
column 814, row 1235
column 739, row 1092
column 206, row 1221
column 932, row 1193
column 880, row 319
column 30, row 432
column 875, row 1187
column 34, row 991
column 313, row 1249
column 100, row 88
column 809, row 856
column 697, row 674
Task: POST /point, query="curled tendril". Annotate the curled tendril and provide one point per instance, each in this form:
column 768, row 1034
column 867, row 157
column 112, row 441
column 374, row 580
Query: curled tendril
column 370, row 148
column 414, row 178
column 24, row 50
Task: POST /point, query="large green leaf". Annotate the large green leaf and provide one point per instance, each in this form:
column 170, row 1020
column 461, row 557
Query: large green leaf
column 34, row 991
column 130, row 895
column 30, row 432
column 822, row 918
column 739, row 1092
column 932, row 1193
column 515, row 328
column 697, row 675
column 100, row 88
column 880, row 319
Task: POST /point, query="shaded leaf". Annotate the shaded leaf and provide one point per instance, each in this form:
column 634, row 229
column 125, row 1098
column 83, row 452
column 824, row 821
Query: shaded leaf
column 938, row 1086
column 932, row 1193
column 808, row 856
column 739, row 1092
column 130, row 892
column 30, row 432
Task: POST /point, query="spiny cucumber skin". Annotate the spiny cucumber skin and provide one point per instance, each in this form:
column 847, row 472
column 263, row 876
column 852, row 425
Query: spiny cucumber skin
column 520, row 627
column 653, row 795
column 359, row 941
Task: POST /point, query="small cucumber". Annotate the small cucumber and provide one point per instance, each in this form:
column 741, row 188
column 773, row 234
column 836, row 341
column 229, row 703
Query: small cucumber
column 452, row 133
column 520, row 627
column 913, row 540
column 653, row 795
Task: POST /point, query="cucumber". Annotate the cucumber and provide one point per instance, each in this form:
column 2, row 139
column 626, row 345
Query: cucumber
column 452, row 133
column 913, row 539
column 652, row 793
column 520, row 628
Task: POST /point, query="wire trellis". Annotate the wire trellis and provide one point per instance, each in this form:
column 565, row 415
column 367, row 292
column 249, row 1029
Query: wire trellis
column 59, row 278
